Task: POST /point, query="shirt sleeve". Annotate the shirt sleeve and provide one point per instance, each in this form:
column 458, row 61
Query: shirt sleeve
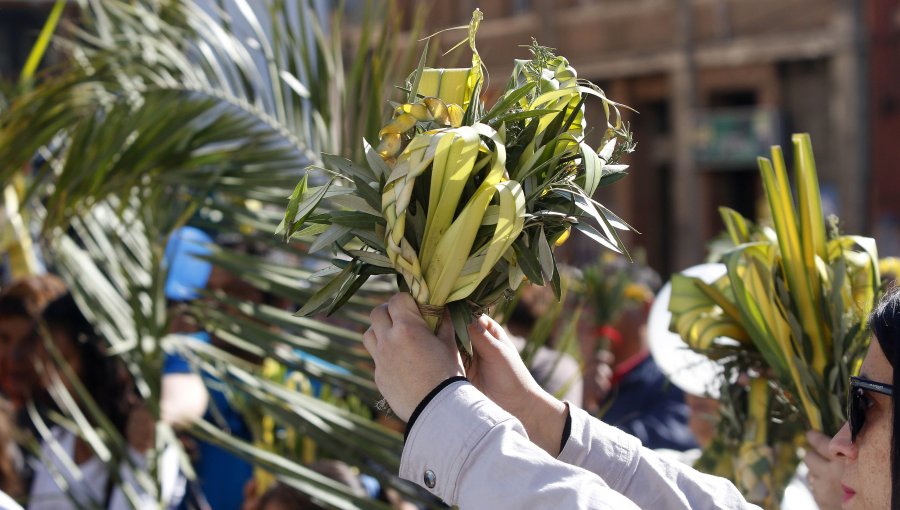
column 467, row 451
column 641, row 475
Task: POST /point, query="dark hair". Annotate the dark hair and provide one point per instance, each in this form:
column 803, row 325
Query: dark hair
column 884, row 322
column 27, row 297
column 534, row 302
column 104, row 377
column 287, row 496
column 293, row 498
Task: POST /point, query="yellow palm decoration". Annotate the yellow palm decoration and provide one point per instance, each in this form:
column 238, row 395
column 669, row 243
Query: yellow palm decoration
column 795, row 300
column 462, row 202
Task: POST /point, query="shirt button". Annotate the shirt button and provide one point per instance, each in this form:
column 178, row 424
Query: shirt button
column 430, row 479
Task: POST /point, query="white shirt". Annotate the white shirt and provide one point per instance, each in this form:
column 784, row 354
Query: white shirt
column 57, row 479
column 466, row 450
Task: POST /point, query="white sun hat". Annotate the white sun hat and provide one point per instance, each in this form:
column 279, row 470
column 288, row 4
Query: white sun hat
column 690, row 371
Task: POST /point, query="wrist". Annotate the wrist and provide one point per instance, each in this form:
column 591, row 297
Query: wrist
column 545, row 422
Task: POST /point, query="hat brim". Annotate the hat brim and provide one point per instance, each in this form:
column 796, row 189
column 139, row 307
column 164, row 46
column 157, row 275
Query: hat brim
column 690, row 371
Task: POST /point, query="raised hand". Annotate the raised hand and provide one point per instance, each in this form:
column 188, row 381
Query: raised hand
column 498, row 371
column 409, row 359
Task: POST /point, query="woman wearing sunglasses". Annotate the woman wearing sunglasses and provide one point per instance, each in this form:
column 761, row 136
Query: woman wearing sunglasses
column 868, row 442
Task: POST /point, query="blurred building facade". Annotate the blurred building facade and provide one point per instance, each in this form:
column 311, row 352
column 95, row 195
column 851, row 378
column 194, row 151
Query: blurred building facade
column 716, row 83
column 20, row 23
column 882, row 18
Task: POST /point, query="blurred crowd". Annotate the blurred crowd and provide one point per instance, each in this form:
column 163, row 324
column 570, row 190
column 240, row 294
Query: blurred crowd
column 599, row 359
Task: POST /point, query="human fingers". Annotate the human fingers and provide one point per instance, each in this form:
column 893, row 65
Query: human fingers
column 496, row 330
column 369, row 341
column 402, row 307
column 815, row 462
column 481, row 338
column 819, row 442
column 381, row 321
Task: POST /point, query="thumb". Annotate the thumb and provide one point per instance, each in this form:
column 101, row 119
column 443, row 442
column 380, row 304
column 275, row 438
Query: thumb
column 402, row 306
column 496, row 331
column 484, row 342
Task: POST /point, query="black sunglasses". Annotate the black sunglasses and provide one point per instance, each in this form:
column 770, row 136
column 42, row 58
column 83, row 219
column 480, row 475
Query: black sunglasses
column 859, row 402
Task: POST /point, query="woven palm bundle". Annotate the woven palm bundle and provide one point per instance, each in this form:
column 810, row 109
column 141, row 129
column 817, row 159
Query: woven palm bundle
column 463, row 202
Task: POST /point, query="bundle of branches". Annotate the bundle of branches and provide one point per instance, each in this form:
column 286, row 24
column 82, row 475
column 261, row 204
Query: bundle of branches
column 614, row 284
column 789, row 313
column 463, row 202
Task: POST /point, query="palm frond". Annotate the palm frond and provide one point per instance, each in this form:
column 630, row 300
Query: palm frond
column 174, row 111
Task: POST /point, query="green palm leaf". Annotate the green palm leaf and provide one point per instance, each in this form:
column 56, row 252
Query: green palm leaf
column 168, row 112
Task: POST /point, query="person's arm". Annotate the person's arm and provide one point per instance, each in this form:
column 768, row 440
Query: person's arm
column 141, row 435
column 460, row 445
column 467, row 451
column 630, row 469
column 183, row 399
column 183, row 394
column 618, row 458
column 170, row 479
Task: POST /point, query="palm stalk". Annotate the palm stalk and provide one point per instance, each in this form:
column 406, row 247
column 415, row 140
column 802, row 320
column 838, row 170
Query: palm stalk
column 611, row 286
column 755, row 459
column 15, row 239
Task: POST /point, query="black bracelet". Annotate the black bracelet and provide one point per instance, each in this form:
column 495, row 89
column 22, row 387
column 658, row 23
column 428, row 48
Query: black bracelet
column 567, row 430
column 428, row 398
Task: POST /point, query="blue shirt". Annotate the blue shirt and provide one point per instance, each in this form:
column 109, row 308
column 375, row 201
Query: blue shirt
column 221, row 475
column 646, row 405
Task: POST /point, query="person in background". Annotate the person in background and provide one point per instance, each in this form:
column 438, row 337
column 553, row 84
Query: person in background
column 183, row 397
column 557, row 372
column 640, row 401
column 105, row 379
column 21, row 304
column 221, row 475
column 284, row 497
